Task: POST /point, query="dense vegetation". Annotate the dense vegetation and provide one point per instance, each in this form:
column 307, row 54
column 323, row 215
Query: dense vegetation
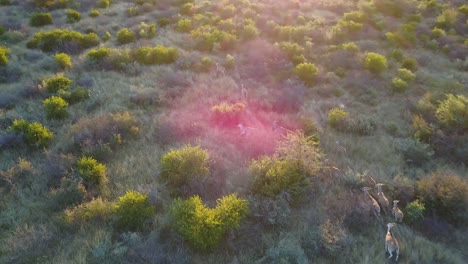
column 232, row 131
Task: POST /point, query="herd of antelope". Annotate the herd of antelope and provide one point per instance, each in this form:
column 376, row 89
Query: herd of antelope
column 382, row 203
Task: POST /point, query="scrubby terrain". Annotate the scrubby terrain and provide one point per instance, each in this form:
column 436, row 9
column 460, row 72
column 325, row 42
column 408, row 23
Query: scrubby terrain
column 233, row 131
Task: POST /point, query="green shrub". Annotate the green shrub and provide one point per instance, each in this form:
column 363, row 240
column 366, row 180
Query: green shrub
column 77, row 95
column 307, row 72
column 410, row 64
column 5, row 3
column 56, row 107
column 397, row 55
column 463, row 9
column 2, row 30
column 163, row 21
column 54, row 84
column 406, row 75
column 184, row 25
column 186, row 9
column 205, row 227
column 73, row 16
column 98, row 54
column 422, row 130
column 227, row 114
column 63, row 60
column 180, row 167
column 96, row 211
column 106, row 37
column 54, row 39
column 133, row 209
column 4, row 51
column 414, row 152
column 44, row 3
column 34, row 134
column 399, row 85
column 133, row 11
column 414, row 211
column 375, row 62
column 156, row 55
column 249, row 32
column 337, row 118
column 445, row 194
column 104, row 3
column 40, row 19
column 147, row 30
column 92, row 171
column 437, row 32
column 94, row 13
column 125, row 36
column 453, row 111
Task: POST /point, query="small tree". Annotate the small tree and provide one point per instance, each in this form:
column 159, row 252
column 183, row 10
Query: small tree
column 399, row 85
column 92, row 171
column 406, row 75
column 34, row 134
column 375, row 62
column 453, row 111
column 133, row 209
column 73, row 16
column 205, row 227
column 125, row 36
column 422, row 130
column 414, row 211
column 63, row 60
column 180, row 167
column 56, row 107
column 54, row 84
column 40, row 19
column 337, row 118
column 4, row 51
column 307, row 72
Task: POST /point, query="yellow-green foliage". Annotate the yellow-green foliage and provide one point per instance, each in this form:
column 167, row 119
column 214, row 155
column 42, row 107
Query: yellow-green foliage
column 204, row 227
column 180, row 167
column 230, row 62
column 375, row 62
column 99, row 54
column 63, row 60
column 125, row 36
column 206, row 36
column 296, row 158
column 96, row 211
column 410, row 64
column 184, row 25
column 94, row 13
column 306, row 72
column 133, row 209
column 54, row 84
column 406, row 75
column 437, row 32
column 147, row 30
column 399, row 85
column 92, row 171
column 56, row 107
column 73, row 16
column 155, row 55
column 34, row 134
column 249, row 32
column 447, row 18
column 422, row 130
column 4, row 51
column 40, row 19
column 104, row 3
column 463, row 10
column 291, row 49
column 445, row 194
column 44, row 3
column 50, row 40
column 226, row 108
column 337, row 117
column 414, row 211
column 186, row 9
column 453, row 111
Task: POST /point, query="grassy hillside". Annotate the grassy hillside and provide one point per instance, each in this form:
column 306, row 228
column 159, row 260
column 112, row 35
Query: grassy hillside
column 232, row 131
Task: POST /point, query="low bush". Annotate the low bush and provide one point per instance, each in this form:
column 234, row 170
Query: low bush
column 96, row 211
column 60, row 39
column 99, row 54
column 133, row 11
column 34, row 134
column 163, row 21
column 227, row 114
column 184, row 25
column 63, row 60
column 182, row 166
column 70, row 192
column 399, row 85
column 453, row 112
column 422, row 130
column 77, row 95
column 406, row 75
column 56, row 107
column 410, row 64
column 338, row 118
column 55, row 84
column 94, row 13
column 147, row 31
column 125, row 36
column 155, row 55
column 375, row 62
column 415, row 211
column 91, row 171
column 73, row 16
column 104, row 3
column 44, row 3
column 40, row 19
column 205, row 227
column 445, row 194
column 132, row 210
column 4, row 51
column 414, row 152
column 307, row 72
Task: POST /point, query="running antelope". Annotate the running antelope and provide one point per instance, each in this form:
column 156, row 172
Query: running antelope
column 397, row 213
column 381, row 197
column 375, row 204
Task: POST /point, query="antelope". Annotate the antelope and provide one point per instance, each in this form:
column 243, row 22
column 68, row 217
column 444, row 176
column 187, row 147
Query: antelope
column 381, row 197
column 375, row 204
column 391, row 243
column 244, row 130
column 243, row 93
column 396, row 212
